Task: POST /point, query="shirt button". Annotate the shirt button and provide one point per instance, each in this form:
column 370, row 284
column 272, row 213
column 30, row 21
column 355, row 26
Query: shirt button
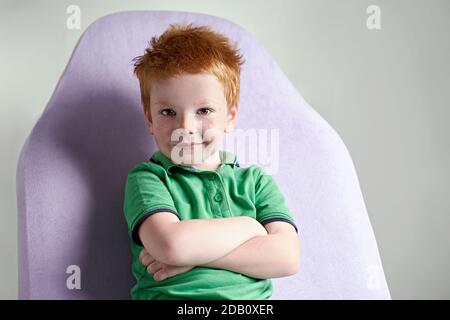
column 211, row 177
column 218, row 197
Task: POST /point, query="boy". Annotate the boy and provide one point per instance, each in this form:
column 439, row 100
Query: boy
column 201, row 226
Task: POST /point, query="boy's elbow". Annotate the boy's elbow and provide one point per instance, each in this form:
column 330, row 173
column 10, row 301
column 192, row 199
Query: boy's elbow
column 292, row 262
column 161, row 250
column 160, row 253
column 163, row 246
column 164, row 252
column 293, row 267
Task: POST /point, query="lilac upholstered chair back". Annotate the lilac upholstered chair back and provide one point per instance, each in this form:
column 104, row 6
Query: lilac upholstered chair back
column 72, row 170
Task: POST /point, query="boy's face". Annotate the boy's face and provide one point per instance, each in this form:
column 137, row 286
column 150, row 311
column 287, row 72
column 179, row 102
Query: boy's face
column 189, row 116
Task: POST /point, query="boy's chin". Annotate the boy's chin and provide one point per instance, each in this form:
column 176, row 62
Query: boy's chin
column 192, row 156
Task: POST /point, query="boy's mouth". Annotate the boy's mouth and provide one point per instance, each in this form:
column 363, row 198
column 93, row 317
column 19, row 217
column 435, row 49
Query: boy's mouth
column 187, row 144
column 190, row 144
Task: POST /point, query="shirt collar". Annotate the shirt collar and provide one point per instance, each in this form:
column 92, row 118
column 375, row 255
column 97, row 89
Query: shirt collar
column 226, row 157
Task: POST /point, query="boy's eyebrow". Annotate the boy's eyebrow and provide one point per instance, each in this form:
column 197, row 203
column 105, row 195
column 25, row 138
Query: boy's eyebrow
column 162, row 102
column 204, row 101
column 165, row 102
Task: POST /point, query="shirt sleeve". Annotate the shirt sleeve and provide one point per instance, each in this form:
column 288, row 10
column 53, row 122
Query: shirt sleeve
column 270, row 202
column 145, row 194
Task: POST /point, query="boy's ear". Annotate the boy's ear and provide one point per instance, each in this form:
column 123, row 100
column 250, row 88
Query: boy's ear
column 231, row 119
column 148, row 121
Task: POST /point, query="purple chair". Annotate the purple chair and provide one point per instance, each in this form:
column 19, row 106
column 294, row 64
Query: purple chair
column 73, row 166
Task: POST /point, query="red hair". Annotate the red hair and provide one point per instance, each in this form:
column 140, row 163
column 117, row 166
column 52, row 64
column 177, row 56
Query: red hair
column 189, row 49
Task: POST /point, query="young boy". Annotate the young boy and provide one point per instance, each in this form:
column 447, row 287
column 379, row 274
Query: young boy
column 201, row 227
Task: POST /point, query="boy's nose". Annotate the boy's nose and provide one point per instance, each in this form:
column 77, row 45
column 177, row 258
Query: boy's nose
column 188, row 123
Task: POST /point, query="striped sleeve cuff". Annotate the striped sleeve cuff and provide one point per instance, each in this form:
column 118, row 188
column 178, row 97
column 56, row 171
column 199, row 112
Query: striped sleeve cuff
column 280, row 219
column 135, row 232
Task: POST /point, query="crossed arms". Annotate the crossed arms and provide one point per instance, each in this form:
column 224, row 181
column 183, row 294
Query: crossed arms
column 239, row 244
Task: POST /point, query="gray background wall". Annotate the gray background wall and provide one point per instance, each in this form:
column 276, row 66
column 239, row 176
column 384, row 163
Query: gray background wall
column 385, row 92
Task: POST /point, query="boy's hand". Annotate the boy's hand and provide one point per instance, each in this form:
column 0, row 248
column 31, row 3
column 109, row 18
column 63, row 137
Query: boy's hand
column 160, row 270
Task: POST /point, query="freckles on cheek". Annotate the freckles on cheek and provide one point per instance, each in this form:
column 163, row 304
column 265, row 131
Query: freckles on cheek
column 158, row 132
column 162, row 129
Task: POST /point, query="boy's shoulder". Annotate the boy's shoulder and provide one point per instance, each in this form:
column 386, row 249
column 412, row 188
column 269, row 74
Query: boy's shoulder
column 254, row 169
column 253, row 174
column 146, row 167
column 259, row 172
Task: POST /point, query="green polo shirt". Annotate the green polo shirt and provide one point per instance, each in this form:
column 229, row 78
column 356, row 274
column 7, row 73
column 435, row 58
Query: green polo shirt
column 189, row 193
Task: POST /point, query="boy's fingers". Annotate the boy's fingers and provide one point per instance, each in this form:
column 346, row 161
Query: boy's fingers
column 154, row 267
column 142, row 254
column 170, row 272
column 143, row 257
column 147, row 259
column 165, row 273
column 159, row 275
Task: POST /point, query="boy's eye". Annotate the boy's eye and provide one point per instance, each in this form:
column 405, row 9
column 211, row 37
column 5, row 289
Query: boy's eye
column 167, row 112
column 204, row 111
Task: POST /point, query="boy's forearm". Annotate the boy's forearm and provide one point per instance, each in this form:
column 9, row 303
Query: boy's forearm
column 199, row 241
column 261, row 257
